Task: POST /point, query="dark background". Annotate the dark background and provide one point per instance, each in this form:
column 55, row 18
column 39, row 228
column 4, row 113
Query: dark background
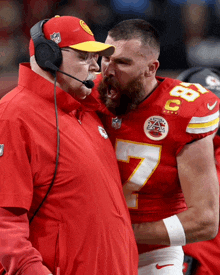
column 189, row 29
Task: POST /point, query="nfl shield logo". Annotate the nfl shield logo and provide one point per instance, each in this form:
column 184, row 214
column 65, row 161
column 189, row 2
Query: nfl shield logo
column 116, row 123
column 56, row 37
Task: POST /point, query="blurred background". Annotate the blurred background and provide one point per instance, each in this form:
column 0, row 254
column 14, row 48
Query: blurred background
column 189, row 29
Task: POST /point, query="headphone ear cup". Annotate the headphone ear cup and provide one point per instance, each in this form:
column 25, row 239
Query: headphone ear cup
column 47, row 50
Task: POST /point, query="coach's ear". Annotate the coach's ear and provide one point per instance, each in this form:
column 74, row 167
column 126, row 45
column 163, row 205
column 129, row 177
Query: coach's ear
column 152, row 68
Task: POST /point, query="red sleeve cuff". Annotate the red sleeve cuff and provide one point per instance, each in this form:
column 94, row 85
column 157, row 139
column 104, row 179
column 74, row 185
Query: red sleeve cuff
column 17, row 254
column 35, row 269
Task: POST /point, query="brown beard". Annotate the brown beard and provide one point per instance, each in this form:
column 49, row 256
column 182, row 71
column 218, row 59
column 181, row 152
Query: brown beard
column 130, row 96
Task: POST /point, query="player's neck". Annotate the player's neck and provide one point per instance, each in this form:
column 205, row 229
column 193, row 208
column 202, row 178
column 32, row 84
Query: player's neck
column 152, row 86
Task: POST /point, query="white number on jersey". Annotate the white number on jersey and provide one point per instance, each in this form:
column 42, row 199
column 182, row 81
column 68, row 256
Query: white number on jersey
column 149, row 156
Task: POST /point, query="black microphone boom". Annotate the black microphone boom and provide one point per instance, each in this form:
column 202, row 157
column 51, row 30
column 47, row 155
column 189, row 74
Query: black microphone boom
column 88, row 83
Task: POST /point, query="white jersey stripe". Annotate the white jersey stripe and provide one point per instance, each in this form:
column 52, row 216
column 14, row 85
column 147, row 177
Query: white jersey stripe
column 201, row 125
column 202, row 130
column 205, row 118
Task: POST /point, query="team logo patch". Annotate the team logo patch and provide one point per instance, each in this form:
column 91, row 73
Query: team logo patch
column 102, row 132
column 1, row 149
column 116, row 123
column 56, row 37
column 85, row 27
column 156, row 128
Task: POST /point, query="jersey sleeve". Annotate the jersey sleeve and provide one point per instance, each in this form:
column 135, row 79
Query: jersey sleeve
column 197, row 114
column 205, row 119
column 15, row 170
column 199, row 108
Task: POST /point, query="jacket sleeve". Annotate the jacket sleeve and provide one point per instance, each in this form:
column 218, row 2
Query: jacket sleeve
column 17, row 255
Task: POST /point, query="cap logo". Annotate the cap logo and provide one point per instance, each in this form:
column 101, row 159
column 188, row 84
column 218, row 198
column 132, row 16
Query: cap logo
column 85, row 27
column 156, row 128
column 56, row 37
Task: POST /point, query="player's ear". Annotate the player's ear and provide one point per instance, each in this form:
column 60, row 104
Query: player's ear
column 152, row 68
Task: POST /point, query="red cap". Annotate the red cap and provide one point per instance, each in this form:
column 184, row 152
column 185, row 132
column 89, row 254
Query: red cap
column 69, row 31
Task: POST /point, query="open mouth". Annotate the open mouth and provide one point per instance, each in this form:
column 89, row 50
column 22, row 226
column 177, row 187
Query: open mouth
column 112, row 92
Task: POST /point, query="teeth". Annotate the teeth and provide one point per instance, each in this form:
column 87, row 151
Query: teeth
column 112, row 93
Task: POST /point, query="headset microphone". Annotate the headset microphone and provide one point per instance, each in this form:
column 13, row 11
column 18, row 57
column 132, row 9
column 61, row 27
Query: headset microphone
column 88, row 83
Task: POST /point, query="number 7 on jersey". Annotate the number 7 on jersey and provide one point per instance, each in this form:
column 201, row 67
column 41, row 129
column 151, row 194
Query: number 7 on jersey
column 149, row 156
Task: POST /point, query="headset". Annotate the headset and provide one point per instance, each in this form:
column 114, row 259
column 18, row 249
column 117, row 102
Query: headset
column 45, row 50
column 48, row 54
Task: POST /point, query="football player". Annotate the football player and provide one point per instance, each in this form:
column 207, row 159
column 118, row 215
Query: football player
column 162, row 130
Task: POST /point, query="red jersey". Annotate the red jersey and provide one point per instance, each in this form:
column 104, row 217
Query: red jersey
column 147, row 141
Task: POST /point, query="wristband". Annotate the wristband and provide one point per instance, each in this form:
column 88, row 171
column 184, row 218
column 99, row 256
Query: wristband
column 175, row 231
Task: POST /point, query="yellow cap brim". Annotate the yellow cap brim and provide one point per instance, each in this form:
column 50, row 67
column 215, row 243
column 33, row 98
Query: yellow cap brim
column 95, row 47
